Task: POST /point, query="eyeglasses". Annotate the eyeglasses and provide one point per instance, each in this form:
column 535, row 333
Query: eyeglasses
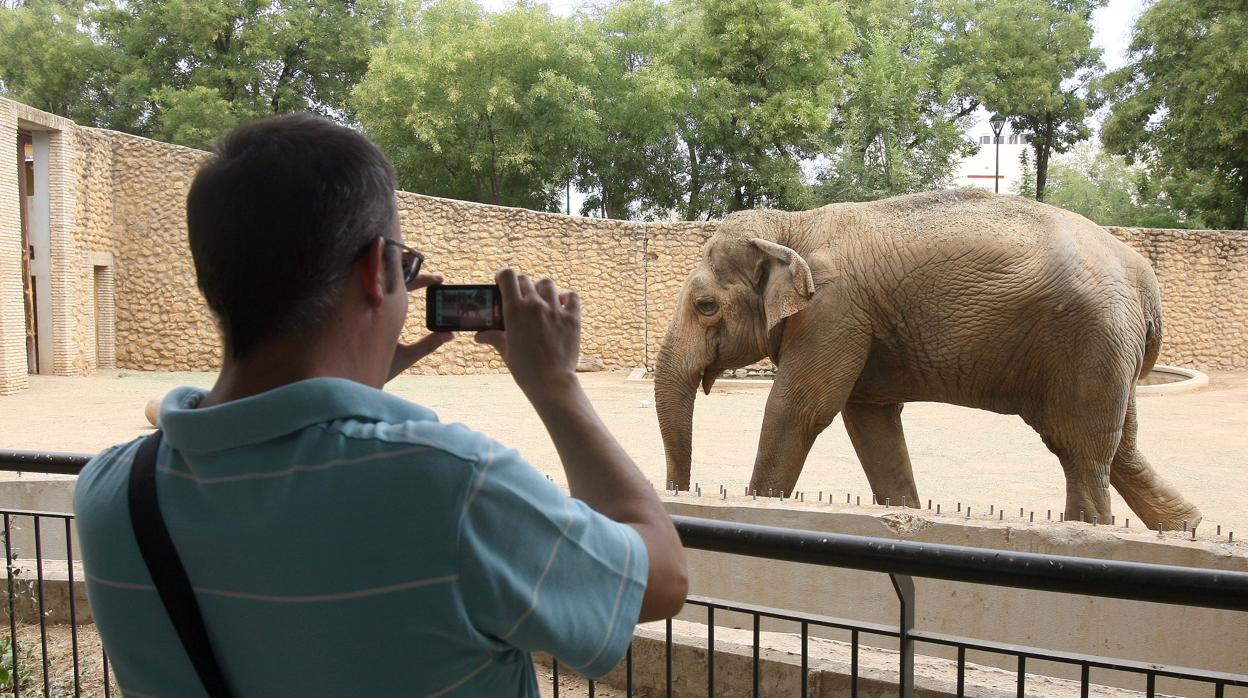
column 410, row 259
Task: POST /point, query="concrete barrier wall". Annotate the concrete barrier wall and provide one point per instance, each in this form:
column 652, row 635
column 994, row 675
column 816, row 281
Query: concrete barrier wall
column 1178, row 635
column 52, row 494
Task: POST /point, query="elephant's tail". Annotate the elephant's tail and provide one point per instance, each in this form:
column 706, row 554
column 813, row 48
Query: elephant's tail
column 1150, row 302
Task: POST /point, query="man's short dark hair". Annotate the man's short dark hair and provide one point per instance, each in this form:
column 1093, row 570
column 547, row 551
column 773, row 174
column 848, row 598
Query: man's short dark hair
column 276, row 218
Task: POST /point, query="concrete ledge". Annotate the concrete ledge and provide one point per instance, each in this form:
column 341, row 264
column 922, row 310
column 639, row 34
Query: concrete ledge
column 55, row 594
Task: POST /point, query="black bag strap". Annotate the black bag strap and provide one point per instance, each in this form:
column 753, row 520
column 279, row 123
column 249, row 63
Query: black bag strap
column 167, row 571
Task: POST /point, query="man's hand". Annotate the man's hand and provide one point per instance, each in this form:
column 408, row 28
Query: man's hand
column 405, row 355
column 543, row 336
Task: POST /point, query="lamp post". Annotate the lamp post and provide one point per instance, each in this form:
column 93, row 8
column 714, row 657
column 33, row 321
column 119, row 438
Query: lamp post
column 997, row 124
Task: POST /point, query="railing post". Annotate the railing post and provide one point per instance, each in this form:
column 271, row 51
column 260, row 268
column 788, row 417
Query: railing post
column 904, row 586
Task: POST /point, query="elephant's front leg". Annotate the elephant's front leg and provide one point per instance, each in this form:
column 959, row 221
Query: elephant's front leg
column 875, row 431
column 796, row 413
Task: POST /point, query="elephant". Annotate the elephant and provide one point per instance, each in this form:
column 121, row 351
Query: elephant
column 959, row 296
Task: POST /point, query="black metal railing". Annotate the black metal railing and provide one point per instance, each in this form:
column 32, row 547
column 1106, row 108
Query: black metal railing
column 27, row 607
column 900, row 560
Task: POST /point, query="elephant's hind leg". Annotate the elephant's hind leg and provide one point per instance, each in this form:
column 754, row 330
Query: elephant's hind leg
column 875, row 431
column 1084, row 444
column 1152, row 498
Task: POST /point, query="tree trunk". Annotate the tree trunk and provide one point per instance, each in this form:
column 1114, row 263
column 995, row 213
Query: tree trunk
column 1043, row 149
column 695, row 184
column 1241, row 207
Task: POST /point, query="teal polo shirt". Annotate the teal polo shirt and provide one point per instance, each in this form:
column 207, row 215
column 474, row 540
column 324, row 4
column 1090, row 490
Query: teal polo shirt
column 343, row 542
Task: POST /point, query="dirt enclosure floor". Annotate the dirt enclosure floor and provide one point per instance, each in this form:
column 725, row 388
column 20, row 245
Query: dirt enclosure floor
column 1198, row 439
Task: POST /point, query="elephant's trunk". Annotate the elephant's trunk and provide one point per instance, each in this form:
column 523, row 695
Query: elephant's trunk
column 676, row 377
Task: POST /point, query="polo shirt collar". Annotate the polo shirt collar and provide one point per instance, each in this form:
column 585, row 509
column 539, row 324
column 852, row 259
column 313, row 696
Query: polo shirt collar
column 275, row 413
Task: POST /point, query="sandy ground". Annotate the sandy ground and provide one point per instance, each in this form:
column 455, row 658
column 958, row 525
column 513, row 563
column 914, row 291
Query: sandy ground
column 1198, row 440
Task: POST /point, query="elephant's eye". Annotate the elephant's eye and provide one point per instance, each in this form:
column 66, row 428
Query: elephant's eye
column 706, row 306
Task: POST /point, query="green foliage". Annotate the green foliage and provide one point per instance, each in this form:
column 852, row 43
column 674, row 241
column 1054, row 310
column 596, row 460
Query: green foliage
column 24, row 679
column 46, row 61
column 632, row 161
column 763, row 76
column 1108, row 191
column 186, row 71
column 1041, row 66
column 236, row 60
column 482, row 107
column 1180, row 105
column 901, row 128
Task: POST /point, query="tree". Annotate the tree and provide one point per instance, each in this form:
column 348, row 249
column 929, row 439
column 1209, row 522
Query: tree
column 762, row 79
column 900, row 128
column 1027, row 183
column 632, row 160
column 481, row 107
column 50, row 63
column 190, row 71
column 1109, row 191
column 186, row 72
column 1042, row 64
column 1179, row 106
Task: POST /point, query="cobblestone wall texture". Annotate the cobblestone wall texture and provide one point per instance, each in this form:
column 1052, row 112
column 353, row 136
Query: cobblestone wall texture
column 627, row 274
column 1204, row 293
column 124, row 210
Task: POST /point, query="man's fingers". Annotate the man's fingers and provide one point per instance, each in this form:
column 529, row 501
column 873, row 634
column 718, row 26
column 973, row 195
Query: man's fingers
column 508, row 284
column 429, row 343
column 549, row 293
column 423, row 280
column 494, row 338
column 526, row 286
column 571, row 302
column 411, row 353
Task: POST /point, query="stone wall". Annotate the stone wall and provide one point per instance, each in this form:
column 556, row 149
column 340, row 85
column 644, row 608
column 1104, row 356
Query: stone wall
column 162, row 322
column 1204, row 293
column 627, row 274
column 120, row 258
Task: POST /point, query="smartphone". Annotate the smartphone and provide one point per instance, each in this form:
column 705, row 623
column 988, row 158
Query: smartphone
column 463, row 308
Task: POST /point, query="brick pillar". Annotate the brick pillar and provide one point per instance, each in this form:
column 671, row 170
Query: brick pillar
column 105, row 318
column 68, row 267
column 12, row 309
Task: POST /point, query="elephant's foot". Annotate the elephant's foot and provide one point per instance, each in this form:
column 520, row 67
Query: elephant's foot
column 1175, row 514
column 898, row 498
column 1087, row 513
column 1153, row 499
column 1087, row 499
column 773, row 487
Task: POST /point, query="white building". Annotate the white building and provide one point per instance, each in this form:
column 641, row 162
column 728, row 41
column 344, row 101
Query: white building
column 980, row 169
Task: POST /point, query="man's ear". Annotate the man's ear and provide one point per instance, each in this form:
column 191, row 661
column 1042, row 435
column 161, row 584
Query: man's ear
column 370, row 272
column 788, row 285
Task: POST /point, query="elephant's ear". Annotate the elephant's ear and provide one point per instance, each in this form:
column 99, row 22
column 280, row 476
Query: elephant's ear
column 788, row 286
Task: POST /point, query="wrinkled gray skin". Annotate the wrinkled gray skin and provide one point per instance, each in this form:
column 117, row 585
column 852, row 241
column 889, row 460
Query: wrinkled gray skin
column 962, row 296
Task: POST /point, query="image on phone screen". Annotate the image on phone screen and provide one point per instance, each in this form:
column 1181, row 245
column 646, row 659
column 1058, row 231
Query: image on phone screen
column 473, row 307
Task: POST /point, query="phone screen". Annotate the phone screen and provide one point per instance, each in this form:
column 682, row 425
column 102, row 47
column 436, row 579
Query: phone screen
column 469, row 307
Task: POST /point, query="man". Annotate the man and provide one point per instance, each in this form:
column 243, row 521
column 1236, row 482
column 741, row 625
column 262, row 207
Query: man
column 341, row 541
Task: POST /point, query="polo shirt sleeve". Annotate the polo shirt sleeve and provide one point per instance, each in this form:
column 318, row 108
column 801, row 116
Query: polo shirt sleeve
column 541, row 571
